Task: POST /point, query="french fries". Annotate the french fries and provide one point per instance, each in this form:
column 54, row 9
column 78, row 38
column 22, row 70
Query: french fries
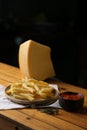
column 31, row 89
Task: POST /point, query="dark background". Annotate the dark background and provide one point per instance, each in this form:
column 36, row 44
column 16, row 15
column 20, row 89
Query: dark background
column 58, row 24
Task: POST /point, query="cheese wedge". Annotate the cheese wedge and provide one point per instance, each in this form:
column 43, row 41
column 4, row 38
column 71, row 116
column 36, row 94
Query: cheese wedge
column 35, row 60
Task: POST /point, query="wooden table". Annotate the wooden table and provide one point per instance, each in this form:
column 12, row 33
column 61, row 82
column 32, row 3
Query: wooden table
column 25, row 119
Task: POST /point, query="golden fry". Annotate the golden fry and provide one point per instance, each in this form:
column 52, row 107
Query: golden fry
column 24, row 97
column 31, row 89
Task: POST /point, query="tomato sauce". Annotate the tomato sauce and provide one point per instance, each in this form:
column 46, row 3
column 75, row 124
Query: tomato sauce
column 71, row 96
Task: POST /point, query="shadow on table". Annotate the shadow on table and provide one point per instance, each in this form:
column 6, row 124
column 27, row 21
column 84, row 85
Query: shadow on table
column 83, row 111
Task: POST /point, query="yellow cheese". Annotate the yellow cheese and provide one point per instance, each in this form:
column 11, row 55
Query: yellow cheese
column 35, row 60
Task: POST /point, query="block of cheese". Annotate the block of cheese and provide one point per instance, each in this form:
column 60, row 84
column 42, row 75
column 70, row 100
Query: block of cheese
column 35, row 60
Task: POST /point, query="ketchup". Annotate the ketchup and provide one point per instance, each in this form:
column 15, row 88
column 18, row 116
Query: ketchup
column 71, row 96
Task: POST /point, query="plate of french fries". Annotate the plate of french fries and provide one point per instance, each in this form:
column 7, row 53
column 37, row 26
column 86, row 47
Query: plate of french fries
column 32, row 92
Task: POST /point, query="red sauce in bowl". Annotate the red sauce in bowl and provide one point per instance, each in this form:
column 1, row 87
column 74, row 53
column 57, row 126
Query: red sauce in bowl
column 71, row 101
column 72, row 96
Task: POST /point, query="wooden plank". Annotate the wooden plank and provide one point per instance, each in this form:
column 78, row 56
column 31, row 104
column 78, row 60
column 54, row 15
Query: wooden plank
column 68, row 119
column 10, row 71
column 3, row 82
column 6, row 125
column 39, row 120
column 30, row 116
column 7, row 78
column 74, row 118
column 26, row 120
column 69, row 87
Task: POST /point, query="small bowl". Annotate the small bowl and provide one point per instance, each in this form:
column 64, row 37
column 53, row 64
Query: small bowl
column 71, row 101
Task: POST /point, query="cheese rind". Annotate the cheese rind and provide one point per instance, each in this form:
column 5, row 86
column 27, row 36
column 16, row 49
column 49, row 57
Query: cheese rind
column 35, row 60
